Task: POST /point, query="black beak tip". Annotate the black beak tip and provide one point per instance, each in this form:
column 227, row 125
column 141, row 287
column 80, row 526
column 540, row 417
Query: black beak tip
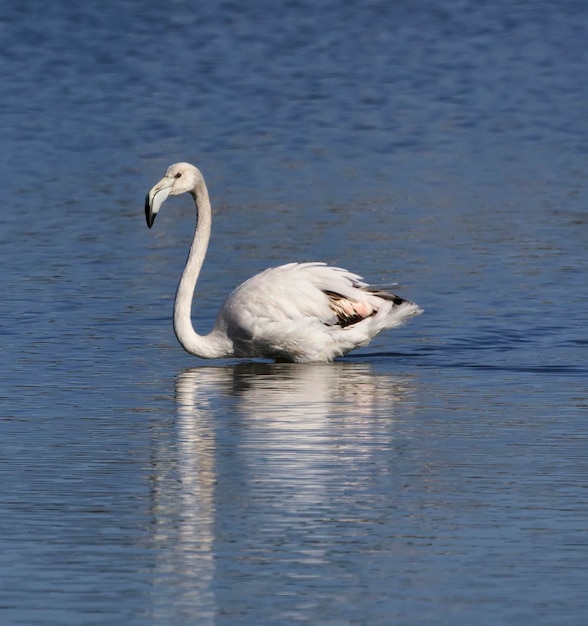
column 149, row 216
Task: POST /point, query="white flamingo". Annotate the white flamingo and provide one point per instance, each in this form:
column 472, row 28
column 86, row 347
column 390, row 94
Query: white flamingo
column 301, row 312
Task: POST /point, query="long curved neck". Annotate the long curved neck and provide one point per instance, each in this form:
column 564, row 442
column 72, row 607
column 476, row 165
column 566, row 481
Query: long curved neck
column 213, row 345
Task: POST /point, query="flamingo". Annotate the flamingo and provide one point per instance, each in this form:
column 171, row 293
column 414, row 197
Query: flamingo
column 299, row 312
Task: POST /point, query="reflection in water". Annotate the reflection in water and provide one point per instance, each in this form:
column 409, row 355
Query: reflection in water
column 259, row 448
column 308, row 423
column 184, row 512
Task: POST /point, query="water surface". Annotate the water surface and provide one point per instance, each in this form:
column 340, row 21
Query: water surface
column 437, row 476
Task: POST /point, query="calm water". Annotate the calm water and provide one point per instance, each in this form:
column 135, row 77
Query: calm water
column 438, row 476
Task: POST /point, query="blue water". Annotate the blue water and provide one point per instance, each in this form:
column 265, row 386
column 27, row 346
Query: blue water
column 437, row 476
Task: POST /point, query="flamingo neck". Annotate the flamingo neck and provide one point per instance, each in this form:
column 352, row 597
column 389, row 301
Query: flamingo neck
column 214, row 345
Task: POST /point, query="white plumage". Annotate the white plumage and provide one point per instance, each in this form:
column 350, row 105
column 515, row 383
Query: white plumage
column 302, row 312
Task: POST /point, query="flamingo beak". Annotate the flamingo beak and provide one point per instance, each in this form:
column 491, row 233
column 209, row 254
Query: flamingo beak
column 156, row 197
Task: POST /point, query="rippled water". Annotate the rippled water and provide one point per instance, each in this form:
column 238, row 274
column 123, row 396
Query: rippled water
column 437, row 476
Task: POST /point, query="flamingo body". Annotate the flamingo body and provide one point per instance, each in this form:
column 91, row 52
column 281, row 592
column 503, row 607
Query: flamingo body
column 301, row 312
